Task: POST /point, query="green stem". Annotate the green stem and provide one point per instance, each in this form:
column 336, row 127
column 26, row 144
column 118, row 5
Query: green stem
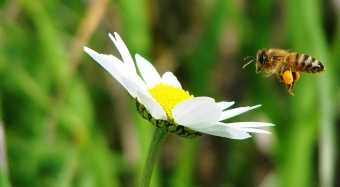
column 156, row 142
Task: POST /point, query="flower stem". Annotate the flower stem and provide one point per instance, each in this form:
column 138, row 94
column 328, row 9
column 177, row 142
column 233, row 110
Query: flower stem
column 156, row 142
column 154, row 149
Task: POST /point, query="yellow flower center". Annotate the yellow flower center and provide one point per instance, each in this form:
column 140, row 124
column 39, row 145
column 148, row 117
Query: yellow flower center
column 169, row 96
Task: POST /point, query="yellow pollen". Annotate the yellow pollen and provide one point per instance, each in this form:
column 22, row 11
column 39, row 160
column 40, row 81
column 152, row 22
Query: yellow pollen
column 169, row 96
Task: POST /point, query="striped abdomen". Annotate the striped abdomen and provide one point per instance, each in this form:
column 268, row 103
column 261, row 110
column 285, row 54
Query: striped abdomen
column 306, row 63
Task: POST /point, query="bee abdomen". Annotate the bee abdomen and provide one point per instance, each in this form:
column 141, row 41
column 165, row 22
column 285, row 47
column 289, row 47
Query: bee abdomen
column 309, row 64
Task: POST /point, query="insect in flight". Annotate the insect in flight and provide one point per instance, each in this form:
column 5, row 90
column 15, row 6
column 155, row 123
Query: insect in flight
column 285, row 65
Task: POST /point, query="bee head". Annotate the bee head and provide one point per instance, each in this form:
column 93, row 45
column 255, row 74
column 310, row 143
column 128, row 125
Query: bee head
column 261, row 59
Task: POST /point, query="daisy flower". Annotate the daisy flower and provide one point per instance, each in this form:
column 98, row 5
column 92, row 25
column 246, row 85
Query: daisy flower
column 161, row 99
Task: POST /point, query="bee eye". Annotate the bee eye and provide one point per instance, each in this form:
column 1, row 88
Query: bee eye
column 263, row 59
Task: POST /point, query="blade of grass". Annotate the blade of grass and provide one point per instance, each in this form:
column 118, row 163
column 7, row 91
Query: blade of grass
column 309, row 25
column 205, row 55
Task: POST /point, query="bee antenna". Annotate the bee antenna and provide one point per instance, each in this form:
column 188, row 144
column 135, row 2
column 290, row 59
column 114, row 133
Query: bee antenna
column 249, row 62
column 247, row 58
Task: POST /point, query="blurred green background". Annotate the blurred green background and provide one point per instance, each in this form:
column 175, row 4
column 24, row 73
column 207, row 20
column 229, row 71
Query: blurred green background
column 66, row 122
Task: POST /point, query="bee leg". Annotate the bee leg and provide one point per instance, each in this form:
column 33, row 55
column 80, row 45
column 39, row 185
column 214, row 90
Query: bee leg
column 296, row 76
column 288, row 80
column 290, row 89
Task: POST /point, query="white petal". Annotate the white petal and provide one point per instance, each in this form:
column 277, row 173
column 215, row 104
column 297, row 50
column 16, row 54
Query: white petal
column 116, row 68
column 253, row 130
column 151, row 105
column 124, row 51
column 224, row 131
column 224, row 104
column 253, row 127
column 137, row 80
column 127, row 59
column 236, row 111
column 148, row 71
column 170, row 78
column 250, row 124
column 198, row 112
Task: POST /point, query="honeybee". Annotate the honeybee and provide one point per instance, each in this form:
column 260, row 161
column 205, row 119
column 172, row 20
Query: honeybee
column 285, row 65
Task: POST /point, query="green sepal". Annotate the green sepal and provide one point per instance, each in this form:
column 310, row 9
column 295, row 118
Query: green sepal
column 167, row 125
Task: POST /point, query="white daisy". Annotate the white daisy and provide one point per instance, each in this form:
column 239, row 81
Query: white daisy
column 163, row 101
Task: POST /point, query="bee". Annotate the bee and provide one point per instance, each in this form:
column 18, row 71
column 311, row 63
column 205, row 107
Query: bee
column 285, row 65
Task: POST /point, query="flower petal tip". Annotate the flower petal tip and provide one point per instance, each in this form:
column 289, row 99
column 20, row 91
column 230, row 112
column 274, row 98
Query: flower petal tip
column 86, row 49
column 242, row 137
column 111, row 37
column 115, row 37
column 138, row 56
column 271, row 125
column 256, row 106
column 264, row 124
column 90, row 51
